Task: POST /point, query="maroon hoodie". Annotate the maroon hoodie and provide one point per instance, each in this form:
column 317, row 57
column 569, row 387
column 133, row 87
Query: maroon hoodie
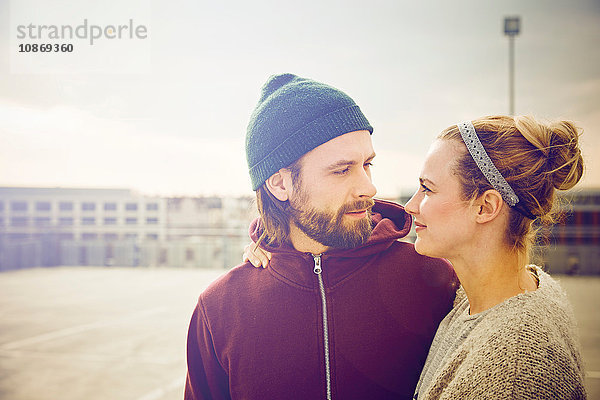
column 350, row 324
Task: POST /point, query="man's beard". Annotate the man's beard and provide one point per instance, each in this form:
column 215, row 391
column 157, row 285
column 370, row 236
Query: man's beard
column 329, row 227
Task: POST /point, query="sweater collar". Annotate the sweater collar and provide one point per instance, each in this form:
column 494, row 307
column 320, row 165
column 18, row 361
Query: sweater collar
column 391, row 222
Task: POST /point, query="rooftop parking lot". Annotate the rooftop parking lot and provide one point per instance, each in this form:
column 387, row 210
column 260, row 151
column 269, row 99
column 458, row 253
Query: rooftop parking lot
column 119, row 333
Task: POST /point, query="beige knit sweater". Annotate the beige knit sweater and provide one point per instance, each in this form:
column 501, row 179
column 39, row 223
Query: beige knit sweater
column 526, row 347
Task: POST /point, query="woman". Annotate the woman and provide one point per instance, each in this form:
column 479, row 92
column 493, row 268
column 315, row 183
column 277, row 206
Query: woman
column 511, row 333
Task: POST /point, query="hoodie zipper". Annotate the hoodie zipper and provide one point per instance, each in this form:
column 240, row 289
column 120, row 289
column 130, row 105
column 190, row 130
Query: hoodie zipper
column 317, row 270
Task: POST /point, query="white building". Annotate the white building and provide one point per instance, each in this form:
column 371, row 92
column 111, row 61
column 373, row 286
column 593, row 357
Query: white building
column 573, row 244
column 206, row 232
column 75, row 226
column 81, row 214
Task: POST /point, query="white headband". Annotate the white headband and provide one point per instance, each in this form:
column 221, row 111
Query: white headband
column 485, row 164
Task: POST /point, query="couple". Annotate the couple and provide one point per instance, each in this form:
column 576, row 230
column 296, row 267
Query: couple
column 345, row 310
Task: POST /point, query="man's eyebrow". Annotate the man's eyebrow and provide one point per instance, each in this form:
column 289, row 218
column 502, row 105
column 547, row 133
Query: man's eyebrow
column 346, row 163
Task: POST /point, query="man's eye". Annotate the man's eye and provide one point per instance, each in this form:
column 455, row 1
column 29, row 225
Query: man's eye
column 343, row 171
column 425, row 189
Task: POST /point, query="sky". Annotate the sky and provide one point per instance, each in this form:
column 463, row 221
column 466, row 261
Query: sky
column 167, row 114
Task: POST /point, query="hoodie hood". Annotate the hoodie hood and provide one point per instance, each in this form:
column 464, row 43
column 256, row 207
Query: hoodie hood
column 390, row 223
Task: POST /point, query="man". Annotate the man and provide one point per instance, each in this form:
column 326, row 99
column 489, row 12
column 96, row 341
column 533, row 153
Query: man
column 344, row 309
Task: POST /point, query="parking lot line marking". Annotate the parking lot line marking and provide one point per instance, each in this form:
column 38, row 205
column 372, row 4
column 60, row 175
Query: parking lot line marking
column 74, row 330
column 161, row 391
column 149, row 359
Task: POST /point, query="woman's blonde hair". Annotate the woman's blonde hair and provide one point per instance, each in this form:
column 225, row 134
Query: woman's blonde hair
column 535, row 159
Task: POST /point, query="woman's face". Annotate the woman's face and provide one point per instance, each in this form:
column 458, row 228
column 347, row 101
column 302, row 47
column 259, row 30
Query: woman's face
column 443, row 220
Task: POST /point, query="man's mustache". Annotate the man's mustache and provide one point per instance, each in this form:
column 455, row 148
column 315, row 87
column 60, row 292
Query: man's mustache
column 358, row 205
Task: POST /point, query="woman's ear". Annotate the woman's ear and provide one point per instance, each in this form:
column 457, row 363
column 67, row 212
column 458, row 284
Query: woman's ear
column 489, row 204
column 280, row 184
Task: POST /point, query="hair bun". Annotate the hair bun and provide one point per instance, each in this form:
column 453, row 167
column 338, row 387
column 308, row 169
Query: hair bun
column 559, row 143
column 565, row 155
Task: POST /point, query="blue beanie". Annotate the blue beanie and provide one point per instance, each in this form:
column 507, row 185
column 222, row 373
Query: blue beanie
column 293, row 116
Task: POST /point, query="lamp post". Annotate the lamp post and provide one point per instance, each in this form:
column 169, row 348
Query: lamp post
column 512, row 26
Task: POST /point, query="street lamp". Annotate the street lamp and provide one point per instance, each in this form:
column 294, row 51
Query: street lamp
column 512, row 26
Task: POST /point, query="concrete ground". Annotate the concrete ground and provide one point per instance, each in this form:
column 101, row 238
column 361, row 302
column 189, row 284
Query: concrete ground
column 119, row 333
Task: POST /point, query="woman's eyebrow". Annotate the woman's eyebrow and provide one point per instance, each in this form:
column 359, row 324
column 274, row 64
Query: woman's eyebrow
column 426, row 181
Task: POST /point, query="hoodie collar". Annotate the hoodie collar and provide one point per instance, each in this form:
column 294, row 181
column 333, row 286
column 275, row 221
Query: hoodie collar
column 391, row 222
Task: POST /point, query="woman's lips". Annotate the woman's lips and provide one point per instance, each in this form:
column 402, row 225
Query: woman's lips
column 419, row 226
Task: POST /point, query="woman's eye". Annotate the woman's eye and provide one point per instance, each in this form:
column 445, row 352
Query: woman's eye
column 425, row 189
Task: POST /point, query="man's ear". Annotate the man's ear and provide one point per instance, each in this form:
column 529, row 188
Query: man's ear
column 489, row 206
column 280, row 184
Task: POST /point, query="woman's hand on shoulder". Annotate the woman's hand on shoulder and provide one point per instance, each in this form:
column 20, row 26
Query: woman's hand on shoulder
column 257, row 256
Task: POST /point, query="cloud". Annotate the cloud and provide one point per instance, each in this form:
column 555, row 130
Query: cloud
column 63, row 146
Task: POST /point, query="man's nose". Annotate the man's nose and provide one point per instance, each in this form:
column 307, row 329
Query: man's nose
column 365, row 186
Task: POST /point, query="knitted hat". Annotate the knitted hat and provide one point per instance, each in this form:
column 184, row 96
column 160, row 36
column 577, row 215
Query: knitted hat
column 293, row 116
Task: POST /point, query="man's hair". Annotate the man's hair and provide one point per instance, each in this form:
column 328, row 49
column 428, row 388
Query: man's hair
column 275, row 214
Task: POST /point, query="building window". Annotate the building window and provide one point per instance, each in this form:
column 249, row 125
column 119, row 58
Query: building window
column 65, row 221
column 18, row 236
column 19, row 221
column 131, row 221
column 65, row 206
column 88, row 221
column 82, row 255
column 131, row 236
column 589, row 218
column 18, row 206
column 88, row 206
column 570, row 239
column 208, row 202
column 110, row 206
column 1, row 206
column 174, row 204
column 162, row 257
column 110, row 221
column 152, row 236
column 42, row 206
column 131, row 206
column 89, row 236
column 109, row 255
column 42, row 221
column 152, row 206
column 189, row 254
column 110, row 236
column 152, row 221
column 1, row 221
column 66, row 236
